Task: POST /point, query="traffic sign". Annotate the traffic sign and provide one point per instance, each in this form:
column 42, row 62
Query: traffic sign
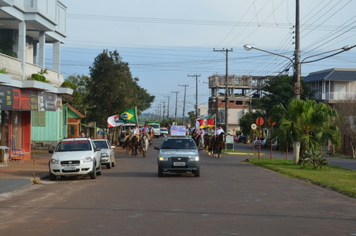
column 260, row 121
column 253, row 126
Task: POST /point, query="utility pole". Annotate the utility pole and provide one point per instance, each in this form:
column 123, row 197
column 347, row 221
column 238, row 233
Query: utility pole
column 196, row 94
column 185, row 90
column 164, row 109
column 167, row 106
column 226, row 87
column 176, row 92
column 296, row 75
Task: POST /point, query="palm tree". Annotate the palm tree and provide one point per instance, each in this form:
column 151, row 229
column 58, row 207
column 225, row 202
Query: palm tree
column 309, row 125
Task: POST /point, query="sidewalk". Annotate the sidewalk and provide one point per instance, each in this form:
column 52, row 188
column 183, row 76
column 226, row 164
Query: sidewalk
column 17, row 174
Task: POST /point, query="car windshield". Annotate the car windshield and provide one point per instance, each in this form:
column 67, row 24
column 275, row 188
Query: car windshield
column 155, row 126
column 178, row 144
column 101, row 144
column 73, row 145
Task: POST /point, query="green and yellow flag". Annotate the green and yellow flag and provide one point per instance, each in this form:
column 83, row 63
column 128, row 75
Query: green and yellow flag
column 127, row 116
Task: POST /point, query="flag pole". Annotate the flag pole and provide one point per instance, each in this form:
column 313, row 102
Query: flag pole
column 215, row 123
column 136, row 115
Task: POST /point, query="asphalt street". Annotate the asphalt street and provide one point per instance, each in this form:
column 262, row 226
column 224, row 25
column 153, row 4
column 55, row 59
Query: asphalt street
column 230, row 197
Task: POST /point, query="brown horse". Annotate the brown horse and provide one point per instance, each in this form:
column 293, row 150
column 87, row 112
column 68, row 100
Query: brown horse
column 127, row 143
column 218, row 145
column 151, row 134
column 136, row 145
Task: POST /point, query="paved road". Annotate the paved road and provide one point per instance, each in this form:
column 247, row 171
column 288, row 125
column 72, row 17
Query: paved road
column 230, row 198
column 343, row 163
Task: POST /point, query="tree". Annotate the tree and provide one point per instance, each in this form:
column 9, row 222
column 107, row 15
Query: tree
column 347, row 123
column 248, row 119
column 112, row 89
column 192, row 118
column 279, row 90
column 308, row 123
column 78, row 84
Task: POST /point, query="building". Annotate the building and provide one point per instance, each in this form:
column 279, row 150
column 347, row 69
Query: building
column 332, row 86
column 240, row 93
column 26, row 26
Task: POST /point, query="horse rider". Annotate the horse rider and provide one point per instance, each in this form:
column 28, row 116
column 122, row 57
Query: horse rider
column 146, row 130
column 219, row 131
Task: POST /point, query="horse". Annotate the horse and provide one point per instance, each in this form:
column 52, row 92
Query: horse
column 218, row 145
column 127, row 143
column 144, row 144
column 208, row 141
column 135, row 145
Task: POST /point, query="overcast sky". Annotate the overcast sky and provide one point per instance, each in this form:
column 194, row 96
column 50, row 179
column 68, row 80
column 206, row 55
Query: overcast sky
column 165, row 40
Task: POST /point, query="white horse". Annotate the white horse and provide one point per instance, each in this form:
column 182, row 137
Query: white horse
column 145, row 144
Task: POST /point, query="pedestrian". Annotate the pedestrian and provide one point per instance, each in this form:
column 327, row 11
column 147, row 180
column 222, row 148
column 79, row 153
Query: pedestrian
column 82, row 134
column 137, row 130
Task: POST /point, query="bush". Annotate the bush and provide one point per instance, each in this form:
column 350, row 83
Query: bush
column 38, row 77
column 3, row 71
column 314, row 158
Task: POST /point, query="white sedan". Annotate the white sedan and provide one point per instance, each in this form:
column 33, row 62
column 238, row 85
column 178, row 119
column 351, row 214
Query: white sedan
column 75, row 156
column 106, row 151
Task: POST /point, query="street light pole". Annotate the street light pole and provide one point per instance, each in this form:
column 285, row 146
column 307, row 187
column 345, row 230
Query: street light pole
column 196, row 93
column 226, row 88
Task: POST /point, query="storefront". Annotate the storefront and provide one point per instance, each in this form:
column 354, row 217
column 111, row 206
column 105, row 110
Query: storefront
column 16, row 105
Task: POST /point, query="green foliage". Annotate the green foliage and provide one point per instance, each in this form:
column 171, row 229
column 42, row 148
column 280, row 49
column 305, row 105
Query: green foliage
column 3, row 71
column 112, row 89
column 78, row 84
column 315, row 158
column 38, row 77
column 192, row 117
column 307, row 122
column 280, row 90
column 250, row 118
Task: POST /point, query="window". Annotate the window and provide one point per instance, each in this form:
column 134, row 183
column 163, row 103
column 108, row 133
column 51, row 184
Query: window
column 239, row 102
column 72, row 130
column 39, row 118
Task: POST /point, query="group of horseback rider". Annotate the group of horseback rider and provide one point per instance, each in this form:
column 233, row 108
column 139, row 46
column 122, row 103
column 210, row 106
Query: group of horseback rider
column 210, row 140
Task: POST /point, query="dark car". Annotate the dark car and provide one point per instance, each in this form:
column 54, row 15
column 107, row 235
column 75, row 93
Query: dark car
column 178, row 154
column 241, row 139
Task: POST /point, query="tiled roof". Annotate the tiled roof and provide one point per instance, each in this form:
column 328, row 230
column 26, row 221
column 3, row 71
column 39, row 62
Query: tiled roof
column 332, row 75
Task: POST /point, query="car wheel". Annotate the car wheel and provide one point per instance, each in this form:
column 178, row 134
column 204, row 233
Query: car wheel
column 52, row 177
column 93, row 173
column 99, row 171
column 160, row 172
column 197, row 172
column 108, row 166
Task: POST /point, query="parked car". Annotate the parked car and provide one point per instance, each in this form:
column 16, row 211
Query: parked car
column 106, row 152
column 275, row 145
column 256, row 142
column 75, row 156
column 241, row 139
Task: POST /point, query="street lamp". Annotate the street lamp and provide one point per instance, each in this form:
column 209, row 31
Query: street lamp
column 298, row 87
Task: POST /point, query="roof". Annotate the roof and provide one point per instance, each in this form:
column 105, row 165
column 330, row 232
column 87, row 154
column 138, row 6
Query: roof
column 76, row 111
column 334, row 74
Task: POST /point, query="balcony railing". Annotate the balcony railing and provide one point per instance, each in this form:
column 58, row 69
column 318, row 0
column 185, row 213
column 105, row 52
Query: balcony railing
column 337, row 96
column 13, row 68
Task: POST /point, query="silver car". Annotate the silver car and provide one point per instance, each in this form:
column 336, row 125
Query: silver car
column 106, row 152
column 178, row 154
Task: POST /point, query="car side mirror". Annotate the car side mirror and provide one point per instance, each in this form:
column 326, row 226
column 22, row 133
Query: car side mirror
column 97, row 149
column 50, row 151
column 200, row 148
column 157, row 148
column 112, row 147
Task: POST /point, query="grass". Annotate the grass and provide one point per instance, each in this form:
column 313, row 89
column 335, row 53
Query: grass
column 332, row 177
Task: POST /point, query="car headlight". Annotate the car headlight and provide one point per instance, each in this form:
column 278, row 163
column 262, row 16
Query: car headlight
column 104, row 155
column 87, row 159
column 163, row 158
column 54, row 161
column 194, row 158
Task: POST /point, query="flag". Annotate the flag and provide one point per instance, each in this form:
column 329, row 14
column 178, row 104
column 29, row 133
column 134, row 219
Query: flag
column 126, row 116
column 206, row 121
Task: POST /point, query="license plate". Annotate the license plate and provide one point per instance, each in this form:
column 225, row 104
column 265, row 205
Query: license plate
column 179, row 163
column 69, row 168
